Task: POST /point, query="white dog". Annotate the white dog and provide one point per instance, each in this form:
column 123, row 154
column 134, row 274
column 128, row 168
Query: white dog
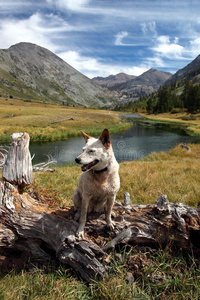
column 99, row 182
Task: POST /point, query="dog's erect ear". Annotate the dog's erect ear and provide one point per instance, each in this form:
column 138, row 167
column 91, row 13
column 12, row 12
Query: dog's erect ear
column 105, row 138
column 86, row 136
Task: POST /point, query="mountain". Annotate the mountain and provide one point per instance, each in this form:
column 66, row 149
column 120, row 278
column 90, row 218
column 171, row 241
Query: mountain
column 33, row 72
column 191, row 72
column 113, row 80
column 152, row 77
column 143, row 85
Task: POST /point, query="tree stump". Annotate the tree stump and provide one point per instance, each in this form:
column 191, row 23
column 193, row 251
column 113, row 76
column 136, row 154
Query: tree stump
column 18, row 166
column 32, row 227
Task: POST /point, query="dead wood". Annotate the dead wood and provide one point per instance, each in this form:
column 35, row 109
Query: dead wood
column 3, row 155
column 30, row 226
column 33, row 227
column 184, row 146
column 62, row 120
column 18, row 166
column 44, row 167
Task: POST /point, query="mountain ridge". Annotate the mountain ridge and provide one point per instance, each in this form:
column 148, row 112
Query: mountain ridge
column 133, row 88
column 181, row 73
column 113, row 80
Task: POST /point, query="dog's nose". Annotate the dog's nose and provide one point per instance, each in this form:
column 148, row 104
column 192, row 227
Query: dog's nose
column 77, row 160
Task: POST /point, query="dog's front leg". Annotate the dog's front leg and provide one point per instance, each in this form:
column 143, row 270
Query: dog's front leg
column 109, row 207
column 82, row 220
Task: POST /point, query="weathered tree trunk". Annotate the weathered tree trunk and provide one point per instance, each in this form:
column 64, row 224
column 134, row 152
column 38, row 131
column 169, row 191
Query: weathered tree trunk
column 18, row 166
column 33, row 227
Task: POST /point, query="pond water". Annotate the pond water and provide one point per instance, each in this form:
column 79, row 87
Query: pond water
column 137, row 142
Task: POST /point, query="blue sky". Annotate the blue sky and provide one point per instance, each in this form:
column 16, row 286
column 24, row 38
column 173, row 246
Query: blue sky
column 103, row 37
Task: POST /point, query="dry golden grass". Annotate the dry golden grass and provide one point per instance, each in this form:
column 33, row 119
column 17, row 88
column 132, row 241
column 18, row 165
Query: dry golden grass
column 192, row 122
column 48, row 122
column 175, row 173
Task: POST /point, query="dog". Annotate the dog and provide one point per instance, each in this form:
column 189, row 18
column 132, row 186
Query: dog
column 99, row 181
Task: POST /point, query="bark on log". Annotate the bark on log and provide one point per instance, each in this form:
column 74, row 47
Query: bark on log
column 18, row 166
column 31, row 226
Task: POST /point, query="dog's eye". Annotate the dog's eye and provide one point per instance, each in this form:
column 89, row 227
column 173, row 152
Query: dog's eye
column 91, row 151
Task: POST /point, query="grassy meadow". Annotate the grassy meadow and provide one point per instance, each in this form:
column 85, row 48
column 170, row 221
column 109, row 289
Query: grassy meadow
column 158, row 274
column 191, row 122
column 48, row 122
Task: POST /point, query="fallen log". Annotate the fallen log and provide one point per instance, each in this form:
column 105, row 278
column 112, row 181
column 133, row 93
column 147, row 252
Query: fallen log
column 38, row 230
column 32, row 227
column 186, row 147
column 59, row 121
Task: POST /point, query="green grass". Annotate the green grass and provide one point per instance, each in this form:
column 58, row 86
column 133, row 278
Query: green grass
column 41, row 283
column 157, row 275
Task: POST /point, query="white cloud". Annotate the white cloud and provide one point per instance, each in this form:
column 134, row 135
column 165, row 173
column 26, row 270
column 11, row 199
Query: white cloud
column 38, row 29
column 194, row 47
column 119, row 37
column 74, row 5
column 92, row 67
column 135, row 70
column 156, row 62
column 165, row 48
column 149, row 28
column 13, row 31
column 85, row 65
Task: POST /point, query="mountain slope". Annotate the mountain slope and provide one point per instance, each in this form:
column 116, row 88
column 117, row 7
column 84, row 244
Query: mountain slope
column 187, row 71
column 143, row 85
column 38, row 73
column 152, row 77
column 130, row 88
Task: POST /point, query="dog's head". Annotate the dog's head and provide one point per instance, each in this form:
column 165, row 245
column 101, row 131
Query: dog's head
column 96, row 152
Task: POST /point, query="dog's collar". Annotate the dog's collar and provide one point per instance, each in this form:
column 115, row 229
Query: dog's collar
column 101, row 171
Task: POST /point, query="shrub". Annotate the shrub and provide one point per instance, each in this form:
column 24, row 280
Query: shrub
column 176, row 110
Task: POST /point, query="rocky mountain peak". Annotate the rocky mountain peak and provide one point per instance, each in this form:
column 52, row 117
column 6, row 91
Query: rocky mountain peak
column 38, row 73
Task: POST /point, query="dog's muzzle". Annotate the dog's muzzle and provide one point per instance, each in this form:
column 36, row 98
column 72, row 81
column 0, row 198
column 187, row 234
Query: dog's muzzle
column 86, row 167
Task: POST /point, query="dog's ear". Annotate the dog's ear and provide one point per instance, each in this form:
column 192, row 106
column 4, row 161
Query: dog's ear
column 105, row 138
column 86, row 136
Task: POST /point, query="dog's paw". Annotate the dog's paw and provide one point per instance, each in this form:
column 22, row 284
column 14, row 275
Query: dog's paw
column 110, row 225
